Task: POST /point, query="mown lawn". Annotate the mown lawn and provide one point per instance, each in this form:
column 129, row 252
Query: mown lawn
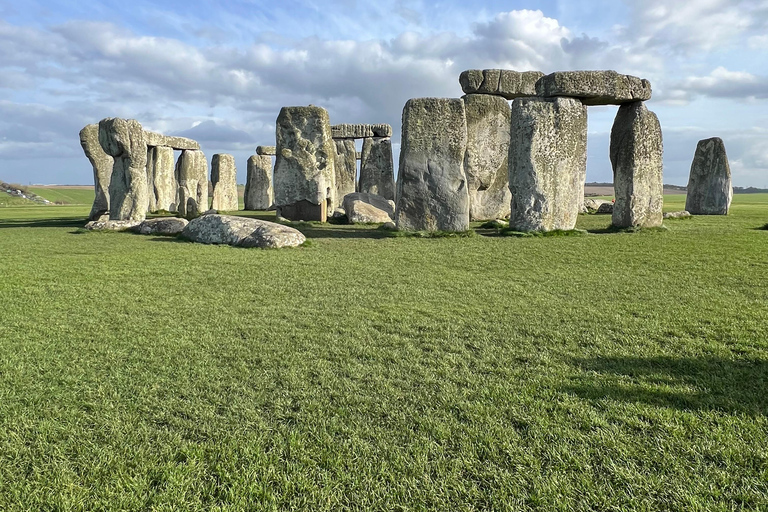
column 67, row 196
column 363, row 372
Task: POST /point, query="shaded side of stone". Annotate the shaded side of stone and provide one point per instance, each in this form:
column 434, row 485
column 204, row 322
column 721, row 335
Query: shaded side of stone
column 224, row 181
column 192, row 177
column 377, row 173
column 346, row 168
column 258, row 186
column 500, row 82
column 102, row 169
column 709, row 185
column 123, row 139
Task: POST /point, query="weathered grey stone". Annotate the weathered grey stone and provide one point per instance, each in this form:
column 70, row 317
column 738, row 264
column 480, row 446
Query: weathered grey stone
column 163, row 187
column 111, row 225
column 377, row 173
column 500, row 82
column 123, row 139
column 709, row 185
column 381, row 130
column 677, row 215
column 359, row 155
column 266, row 150
column 241, row 232
column 258, row 185
column 161, row 226
column 361, row 208
column 636, row 157
column 305, row 174
column 192, row 177
column 102, row 169
column 432, row 185
column 592, row 205
column 595, row 87
column 485, row 162
column 224, row 180
column 605, row 208
column 346, row 168
column 360, row 131
column 159, row 140
column 547, row 163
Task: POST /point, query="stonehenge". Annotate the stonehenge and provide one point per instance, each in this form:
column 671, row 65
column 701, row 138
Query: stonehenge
column 258, row 185
column 123, row 140
column 709, row 184
column 346, row 168
column 594, row 87
column 377, row 171
column 161, row 179
column 102, row 169
column 500, row 82
column 192, row 175
column 224, row 181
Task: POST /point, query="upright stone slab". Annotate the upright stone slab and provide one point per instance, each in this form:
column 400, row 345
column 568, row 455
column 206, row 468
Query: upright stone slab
column 102, row 169
column 305, row 172
column 123, row 139
column 709, row 185
column 636, row 157
column 486, row 159
column 377, row 173
column 595, row 87
column 346, row 169
column 224, row 180
column 192, row 177
column 164, row 186
column 547, row 163
column 258, row 184
column 432, row 185
column 151, row 199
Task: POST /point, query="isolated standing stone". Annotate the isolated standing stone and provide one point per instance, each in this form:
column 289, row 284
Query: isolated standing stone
column 258, row 185
column 432, row 185
column 488, row 120
column 636, row 157
column 102, row 169
column 709, row 185
column 547, row 163
column 224, row 180
column 192, row 177
column 305, row 173
column 377, row 172
column 163, row 187
column 595, row 87
column 346, row 168
column 123, row 139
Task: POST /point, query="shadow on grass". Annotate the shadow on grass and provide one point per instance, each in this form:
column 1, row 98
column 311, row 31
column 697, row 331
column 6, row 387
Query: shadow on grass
column 65, row 222
column 340, row 231
column 613, row 229
column 706, row 383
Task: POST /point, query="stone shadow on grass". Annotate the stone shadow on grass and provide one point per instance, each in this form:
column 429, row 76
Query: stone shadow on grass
column 735, row 386
column 64, row 222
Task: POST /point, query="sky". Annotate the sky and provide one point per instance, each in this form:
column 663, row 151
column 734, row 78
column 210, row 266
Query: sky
column 219, row 72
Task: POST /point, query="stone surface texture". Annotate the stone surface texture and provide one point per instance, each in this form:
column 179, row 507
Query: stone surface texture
column 486, row 159
column 709, row 184
column 377, row 171
column 266, row 150
column 192, row 177
column 362, row 208
column 161, row 226
column 163, row 187
column 102, row 169
column 157, row 140
column 224, row 181
column 432, row 185
column 683, row 214
column 360, row 131
column 592, row 205
column 547, row 163
column 346, row 168
column 111, row 225
column 636, row 157
column 123, row 140
column 500, row 82
column 595, row 87
column 241, row 232
column 258, row 184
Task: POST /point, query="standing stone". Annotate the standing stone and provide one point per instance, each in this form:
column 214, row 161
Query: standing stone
column 123, row 139
column 488, row 120
column 164, row 186
column 305, row 174
column 258, row 185
column 346, row 169
column 432, row 185
column 224, row 180
column 377, row 173
column 709, row 185
column 547, row 163
column 151, row 198
column 102, row 169
column 636, row 157
column 192, row 177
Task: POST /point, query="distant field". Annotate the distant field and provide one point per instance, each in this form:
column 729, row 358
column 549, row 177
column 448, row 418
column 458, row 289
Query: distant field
column 608, row 371
column 66, row 195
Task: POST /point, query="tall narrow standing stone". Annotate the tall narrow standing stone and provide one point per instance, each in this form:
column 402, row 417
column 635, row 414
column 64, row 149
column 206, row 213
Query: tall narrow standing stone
column 164, row 183
column 123, row 139
column 346, row 169
column 547, row 163
column 709, row 185
column 486, row 159
column 431, row 184
column 636, row 156
column 377, row 173
column 305, row 173
column 224, row 180
column 258, row 185
column 151, row 198
column 102, row 169
column 192, row 177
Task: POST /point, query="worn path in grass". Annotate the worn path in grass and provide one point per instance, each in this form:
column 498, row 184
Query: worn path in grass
column 596, row 372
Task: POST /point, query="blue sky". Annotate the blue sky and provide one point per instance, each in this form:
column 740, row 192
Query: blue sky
column 219, row 72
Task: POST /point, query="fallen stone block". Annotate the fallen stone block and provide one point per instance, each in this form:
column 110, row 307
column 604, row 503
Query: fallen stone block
column 362, row 208
column 161, row 226
column 241, row 232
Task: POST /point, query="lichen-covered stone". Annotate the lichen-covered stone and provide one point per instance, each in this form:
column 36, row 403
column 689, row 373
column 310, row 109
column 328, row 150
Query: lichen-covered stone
column 595, row 87
column 163, row 187
column 346, row 168
column 258, row 185
column 123, row 140
column 432, row 185
column 683, row 214
column 360, row 131
column 500, row 82
column 377, row 173
column 111, row 225
column 179, row 143
column 485, row 162
column 547, row 163
column 362, row 208
column 161, row 226
column 709, row 185
column 192, row 177
column 102, row 169
column 224, row 181
column 592, row 205
column 241, row 232
column 636, row 157
column 266, row 150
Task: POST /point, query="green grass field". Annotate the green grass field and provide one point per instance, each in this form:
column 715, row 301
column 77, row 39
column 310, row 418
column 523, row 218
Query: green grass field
column 365, row 372
column 67, row 196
